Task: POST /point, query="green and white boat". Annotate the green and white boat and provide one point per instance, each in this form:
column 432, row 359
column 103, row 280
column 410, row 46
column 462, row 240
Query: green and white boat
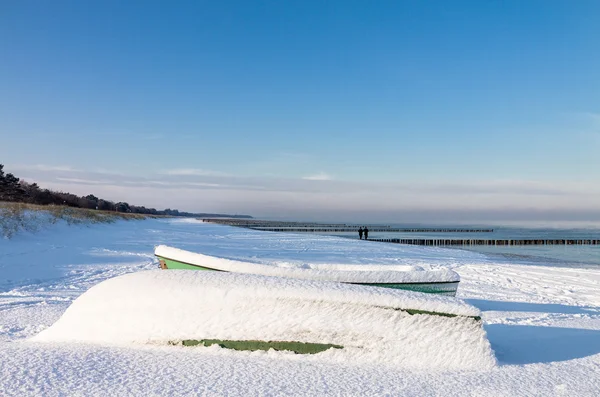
column 411, row 278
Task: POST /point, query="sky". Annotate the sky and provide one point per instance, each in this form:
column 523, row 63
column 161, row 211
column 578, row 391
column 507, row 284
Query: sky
column 334, row 110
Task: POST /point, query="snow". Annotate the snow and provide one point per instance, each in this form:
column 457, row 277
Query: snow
column 543, row 323
column 161, row 306
column 347, row 273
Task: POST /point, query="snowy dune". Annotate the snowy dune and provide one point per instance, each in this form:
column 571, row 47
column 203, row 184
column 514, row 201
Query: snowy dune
column 543, row 323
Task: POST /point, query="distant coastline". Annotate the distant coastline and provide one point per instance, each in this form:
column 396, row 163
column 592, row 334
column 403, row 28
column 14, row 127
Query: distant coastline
column 15, row 190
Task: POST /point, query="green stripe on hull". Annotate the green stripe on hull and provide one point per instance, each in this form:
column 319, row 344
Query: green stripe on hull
column 428, row 288
column 253, row 345
column 412, row 312
column 171, row 264
column 440, row 288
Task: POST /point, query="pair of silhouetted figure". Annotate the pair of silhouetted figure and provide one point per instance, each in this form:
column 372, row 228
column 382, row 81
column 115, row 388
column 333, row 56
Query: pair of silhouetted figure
column 363, row 232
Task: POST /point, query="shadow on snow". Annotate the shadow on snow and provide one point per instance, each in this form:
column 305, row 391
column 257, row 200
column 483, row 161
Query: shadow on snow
column 526, row 344
column 504, row 306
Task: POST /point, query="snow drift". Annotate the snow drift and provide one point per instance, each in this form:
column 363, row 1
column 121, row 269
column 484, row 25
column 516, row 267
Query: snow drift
column 378, row 325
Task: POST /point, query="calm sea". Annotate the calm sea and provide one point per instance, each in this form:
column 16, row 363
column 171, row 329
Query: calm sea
column 548, row 255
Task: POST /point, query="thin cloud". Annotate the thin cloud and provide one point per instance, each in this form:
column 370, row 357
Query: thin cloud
column 180, row 184
column 201, row 184
column 596, row 132
column 84, row 181
column 304, row 199
column 321, row 176
column 192, row 172
column 595, row 118
column 200, row 190
column 592, row 130
column 44, row 167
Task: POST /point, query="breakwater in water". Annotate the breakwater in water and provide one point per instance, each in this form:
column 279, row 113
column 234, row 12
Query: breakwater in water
column 371, row 230
column 502, row 242
column 308, row 227
column 329, row 228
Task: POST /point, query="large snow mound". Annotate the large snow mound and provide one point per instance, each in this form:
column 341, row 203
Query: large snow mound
column 339, row 272
column 160, row 306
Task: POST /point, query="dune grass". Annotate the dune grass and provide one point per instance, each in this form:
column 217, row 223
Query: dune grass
column 17, row 217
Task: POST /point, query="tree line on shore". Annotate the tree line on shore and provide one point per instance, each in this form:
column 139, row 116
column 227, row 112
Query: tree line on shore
column 13, row 189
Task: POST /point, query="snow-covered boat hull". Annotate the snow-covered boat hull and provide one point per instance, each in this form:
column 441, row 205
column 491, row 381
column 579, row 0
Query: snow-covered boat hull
column 441, row 282
column 340, row 323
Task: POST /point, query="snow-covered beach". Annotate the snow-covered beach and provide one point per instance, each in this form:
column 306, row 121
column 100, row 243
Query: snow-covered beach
column 543, row 322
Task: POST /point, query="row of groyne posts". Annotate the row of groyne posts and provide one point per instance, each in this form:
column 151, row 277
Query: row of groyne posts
column 442, row 242
column 309, row 227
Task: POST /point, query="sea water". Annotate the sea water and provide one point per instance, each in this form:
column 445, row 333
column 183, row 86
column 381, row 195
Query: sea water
column 547, row 255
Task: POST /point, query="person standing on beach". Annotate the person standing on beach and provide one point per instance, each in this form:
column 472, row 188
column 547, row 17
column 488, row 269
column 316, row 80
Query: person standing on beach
column 366, row 232
column 360, row 233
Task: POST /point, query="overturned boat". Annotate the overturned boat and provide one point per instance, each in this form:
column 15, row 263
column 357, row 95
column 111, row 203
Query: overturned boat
column 332, row 322
column 411, row 278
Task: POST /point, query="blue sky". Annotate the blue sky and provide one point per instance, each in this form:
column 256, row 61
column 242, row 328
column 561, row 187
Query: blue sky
column 305, row 108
